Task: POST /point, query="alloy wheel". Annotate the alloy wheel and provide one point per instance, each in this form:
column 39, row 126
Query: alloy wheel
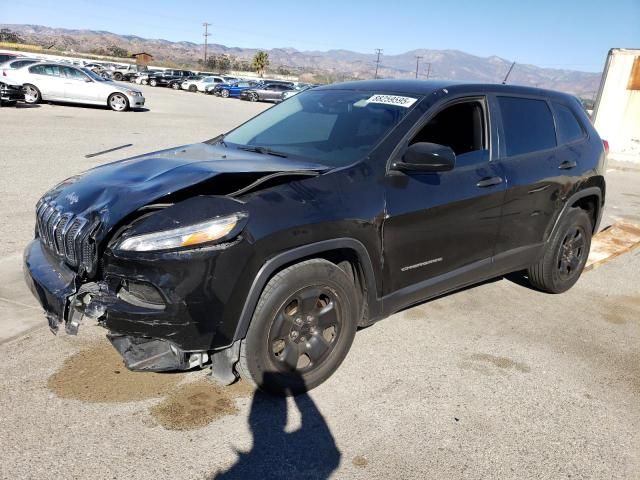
column 572, row 251
column 118, row 102
column 30, row 94
column 305, row 330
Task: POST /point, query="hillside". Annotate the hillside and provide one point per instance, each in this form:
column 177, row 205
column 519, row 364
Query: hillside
column 445, row 64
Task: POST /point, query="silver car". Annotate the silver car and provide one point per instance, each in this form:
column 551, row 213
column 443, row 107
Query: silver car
column 67, row 83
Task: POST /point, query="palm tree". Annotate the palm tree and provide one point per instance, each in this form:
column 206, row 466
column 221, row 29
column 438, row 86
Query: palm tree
column 260, row 62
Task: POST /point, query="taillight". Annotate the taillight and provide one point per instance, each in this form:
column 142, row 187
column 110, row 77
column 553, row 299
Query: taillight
column 605, row 144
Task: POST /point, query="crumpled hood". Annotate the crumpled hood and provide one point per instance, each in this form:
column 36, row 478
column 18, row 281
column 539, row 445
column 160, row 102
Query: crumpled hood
column 114, row 191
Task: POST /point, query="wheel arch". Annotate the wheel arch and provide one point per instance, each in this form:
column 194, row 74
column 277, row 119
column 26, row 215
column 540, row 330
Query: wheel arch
column 335, row 250
column 589, row 198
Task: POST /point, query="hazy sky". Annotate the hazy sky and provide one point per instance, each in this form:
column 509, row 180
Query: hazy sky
column 549, row 33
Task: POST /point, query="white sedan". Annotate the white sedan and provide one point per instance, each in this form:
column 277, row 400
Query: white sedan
column 66, row 83
column 202, row 84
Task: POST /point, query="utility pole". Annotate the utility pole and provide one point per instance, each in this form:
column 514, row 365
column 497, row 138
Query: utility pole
column 378, row 51
column 205, row 35
column 418, row 58
column 504, row 82
column 428, row 69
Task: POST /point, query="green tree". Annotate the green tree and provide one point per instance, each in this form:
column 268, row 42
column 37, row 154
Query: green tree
column 260, row 62
column 7, row 35
column 117, row 51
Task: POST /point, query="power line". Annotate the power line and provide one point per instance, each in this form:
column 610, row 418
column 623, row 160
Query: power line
column 205, row 35
column 418, row 58
column 378, row 52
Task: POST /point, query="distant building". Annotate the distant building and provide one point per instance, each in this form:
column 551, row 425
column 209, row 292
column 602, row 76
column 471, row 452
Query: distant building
column 616, row 114
column 142, row 58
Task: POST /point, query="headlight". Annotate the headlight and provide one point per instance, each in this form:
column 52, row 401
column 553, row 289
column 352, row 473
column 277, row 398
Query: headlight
column 190, row 236
column 133, row 93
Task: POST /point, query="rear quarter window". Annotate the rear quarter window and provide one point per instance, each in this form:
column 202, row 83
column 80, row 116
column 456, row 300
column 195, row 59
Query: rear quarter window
column 569, row 128
column 528, row 125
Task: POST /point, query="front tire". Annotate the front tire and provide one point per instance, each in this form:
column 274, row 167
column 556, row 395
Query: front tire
column 565, row 255
column 118, row 102
column 31, row 94
column 253, row 97
column 224, row 93
column 301, row 330
column 193, row 88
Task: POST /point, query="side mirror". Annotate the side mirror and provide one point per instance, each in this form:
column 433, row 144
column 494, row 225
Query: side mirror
column 426, row 157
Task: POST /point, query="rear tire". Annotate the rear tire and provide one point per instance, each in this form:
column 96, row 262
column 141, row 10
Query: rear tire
column 175, row 86
column 193, row 88
column 31, row 94
column 153, row 82
column 117, row 76
column 566, row 254
column 301, row 330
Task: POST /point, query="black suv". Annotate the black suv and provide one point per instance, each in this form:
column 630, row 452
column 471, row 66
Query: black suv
column 263, row 250
column 166, row 78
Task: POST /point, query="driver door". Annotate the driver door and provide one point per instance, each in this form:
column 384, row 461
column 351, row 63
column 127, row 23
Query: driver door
column 441, row 228
column 78, row 87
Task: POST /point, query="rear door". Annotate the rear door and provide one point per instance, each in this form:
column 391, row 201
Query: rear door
column 537, row 179
column 47, row 78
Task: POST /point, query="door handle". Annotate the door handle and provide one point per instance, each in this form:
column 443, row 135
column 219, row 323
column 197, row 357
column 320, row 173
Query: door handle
column 567, row 165
column 489, row 182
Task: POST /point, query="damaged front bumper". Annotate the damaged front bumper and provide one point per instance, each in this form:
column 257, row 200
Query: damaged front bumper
column 149, row 337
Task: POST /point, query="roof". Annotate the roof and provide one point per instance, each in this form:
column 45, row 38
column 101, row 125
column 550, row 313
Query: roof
column 426, row 87
column 141, row 53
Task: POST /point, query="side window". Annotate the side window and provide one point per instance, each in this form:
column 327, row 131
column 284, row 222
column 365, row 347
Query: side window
column 568, row 126
column 460, row 127
column 73, row 73
column 38, row 70
column 528, row 125
column 52, row 70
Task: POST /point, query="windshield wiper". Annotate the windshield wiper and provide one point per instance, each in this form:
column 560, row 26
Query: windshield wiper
column 262, row 150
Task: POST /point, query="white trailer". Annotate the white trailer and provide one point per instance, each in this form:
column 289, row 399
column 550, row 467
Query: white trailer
column 616, row 114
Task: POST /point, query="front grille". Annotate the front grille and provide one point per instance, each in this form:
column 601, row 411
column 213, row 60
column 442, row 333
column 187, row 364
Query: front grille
column 66, row 235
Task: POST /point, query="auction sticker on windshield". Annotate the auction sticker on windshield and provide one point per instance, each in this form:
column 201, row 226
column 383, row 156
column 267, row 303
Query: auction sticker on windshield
column 392, row 100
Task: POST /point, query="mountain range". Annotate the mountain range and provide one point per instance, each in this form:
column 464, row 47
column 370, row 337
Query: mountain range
column 441, row 64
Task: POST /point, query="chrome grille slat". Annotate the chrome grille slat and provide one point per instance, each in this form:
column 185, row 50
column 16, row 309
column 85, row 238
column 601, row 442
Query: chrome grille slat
column 65, row 235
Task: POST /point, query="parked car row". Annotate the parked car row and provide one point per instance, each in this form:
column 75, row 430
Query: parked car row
column 33, row 80
column 221, row 85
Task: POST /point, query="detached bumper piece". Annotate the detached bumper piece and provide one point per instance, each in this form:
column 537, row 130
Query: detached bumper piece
column 154, row 355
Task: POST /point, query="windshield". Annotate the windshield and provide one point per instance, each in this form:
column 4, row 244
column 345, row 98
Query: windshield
column 334, row 127
column 93, row 75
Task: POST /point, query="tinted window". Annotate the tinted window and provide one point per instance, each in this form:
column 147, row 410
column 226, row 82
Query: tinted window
column 569, row 128
column 52, row 70
column 22, row 63
column 528, row 125
column 73, row 73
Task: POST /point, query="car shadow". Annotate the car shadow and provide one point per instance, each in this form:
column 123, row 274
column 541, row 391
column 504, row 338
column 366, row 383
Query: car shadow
column 308, row 452
column 93, row 107
column 25, row 105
